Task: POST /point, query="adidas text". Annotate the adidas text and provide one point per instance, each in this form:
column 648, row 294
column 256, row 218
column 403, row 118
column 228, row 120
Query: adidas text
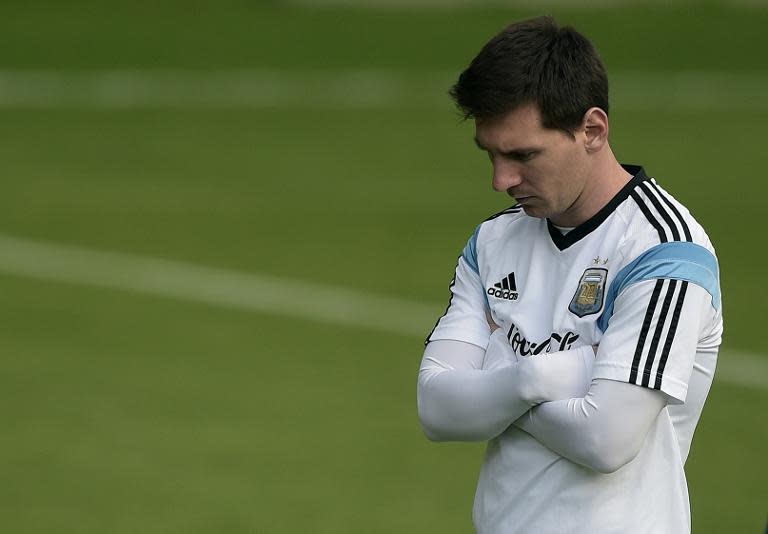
column 502, row 293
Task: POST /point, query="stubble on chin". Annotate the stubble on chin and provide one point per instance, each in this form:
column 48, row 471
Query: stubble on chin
column 534, row 208
column 534, row 211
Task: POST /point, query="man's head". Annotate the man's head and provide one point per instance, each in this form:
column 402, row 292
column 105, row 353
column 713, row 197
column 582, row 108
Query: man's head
column 539, row 97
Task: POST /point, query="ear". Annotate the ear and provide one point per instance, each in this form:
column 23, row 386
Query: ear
column 595, row 127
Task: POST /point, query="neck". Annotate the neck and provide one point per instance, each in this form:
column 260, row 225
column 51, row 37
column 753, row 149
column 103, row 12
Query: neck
column 606, row 179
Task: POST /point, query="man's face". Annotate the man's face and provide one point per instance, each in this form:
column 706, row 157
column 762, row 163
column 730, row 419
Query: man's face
column 543, row 169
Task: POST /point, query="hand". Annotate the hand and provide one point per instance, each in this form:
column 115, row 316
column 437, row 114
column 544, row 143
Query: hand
column 499, row 352
column 559, row 375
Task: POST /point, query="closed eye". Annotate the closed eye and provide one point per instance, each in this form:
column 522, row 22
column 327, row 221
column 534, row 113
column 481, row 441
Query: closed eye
column 521, row 155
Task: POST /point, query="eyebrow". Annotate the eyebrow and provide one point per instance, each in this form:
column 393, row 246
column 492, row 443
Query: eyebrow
column 515, row 151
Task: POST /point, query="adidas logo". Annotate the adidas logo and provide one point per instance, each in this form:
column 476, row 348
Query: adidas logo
column 505, row 289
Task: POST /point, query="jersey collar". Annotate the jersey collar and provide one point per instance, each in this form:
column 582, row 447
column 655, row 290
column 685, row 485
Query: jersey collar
column 562, row 242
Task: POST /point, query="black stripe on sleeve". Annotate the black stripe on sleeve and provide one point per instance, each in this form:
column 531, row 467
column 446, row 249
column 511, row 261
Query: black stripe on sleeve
column 644, row 331
column 660, row 209
column 670, row 335
column 657, row 333
column 450, row 301
column 686, row 230
column 649, row 216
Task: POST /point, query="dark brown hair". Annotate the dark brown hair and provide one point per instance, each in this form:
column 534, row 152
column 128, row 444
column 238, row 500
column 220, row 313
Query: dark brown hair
column 534, row 62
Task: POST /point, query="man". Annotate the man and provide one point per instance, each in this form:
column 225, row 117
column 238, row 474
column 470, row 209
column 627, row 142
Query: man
column 584, row 321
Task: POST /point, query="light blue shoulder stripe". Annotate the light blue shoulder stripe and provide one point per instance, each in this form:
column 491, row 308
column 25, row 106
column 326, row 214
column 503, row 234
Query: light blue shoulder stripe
column 470, row 251
column 679, row 260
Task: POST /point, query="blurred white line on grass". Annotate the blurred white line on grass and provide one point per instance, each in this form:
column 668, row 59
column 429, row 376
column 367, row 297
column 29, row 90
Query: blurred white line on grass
column 344, row 89
column 265, row 294
column 217, row 287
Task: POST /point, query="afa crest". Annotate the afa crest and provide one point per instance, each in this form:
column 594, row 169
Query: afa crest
column 590, row 292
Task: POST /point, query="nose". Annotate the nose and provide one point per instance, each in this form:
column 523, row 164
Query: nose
column 506, row 174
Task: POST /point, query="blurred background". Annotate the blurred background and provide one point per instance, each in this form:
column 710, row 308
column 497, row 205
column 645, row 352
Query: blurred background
column 226, row 228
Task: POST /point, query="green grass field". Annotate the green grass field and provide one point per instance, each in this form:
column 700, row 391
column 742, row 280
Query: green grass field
column 130, row 411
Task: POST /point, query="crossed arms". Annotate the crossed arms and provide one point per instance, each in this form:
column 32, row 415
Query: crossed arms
column 600, row 424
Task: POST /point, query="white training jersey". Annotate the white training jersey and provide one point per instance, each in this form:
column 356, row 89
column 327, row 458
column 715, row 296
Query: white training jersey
column 640, row 279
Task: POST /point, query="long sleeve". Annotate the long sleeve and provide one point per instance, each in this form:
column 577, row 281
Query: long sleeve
column 466, row 393
column 648, row 358
column 603, row 430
